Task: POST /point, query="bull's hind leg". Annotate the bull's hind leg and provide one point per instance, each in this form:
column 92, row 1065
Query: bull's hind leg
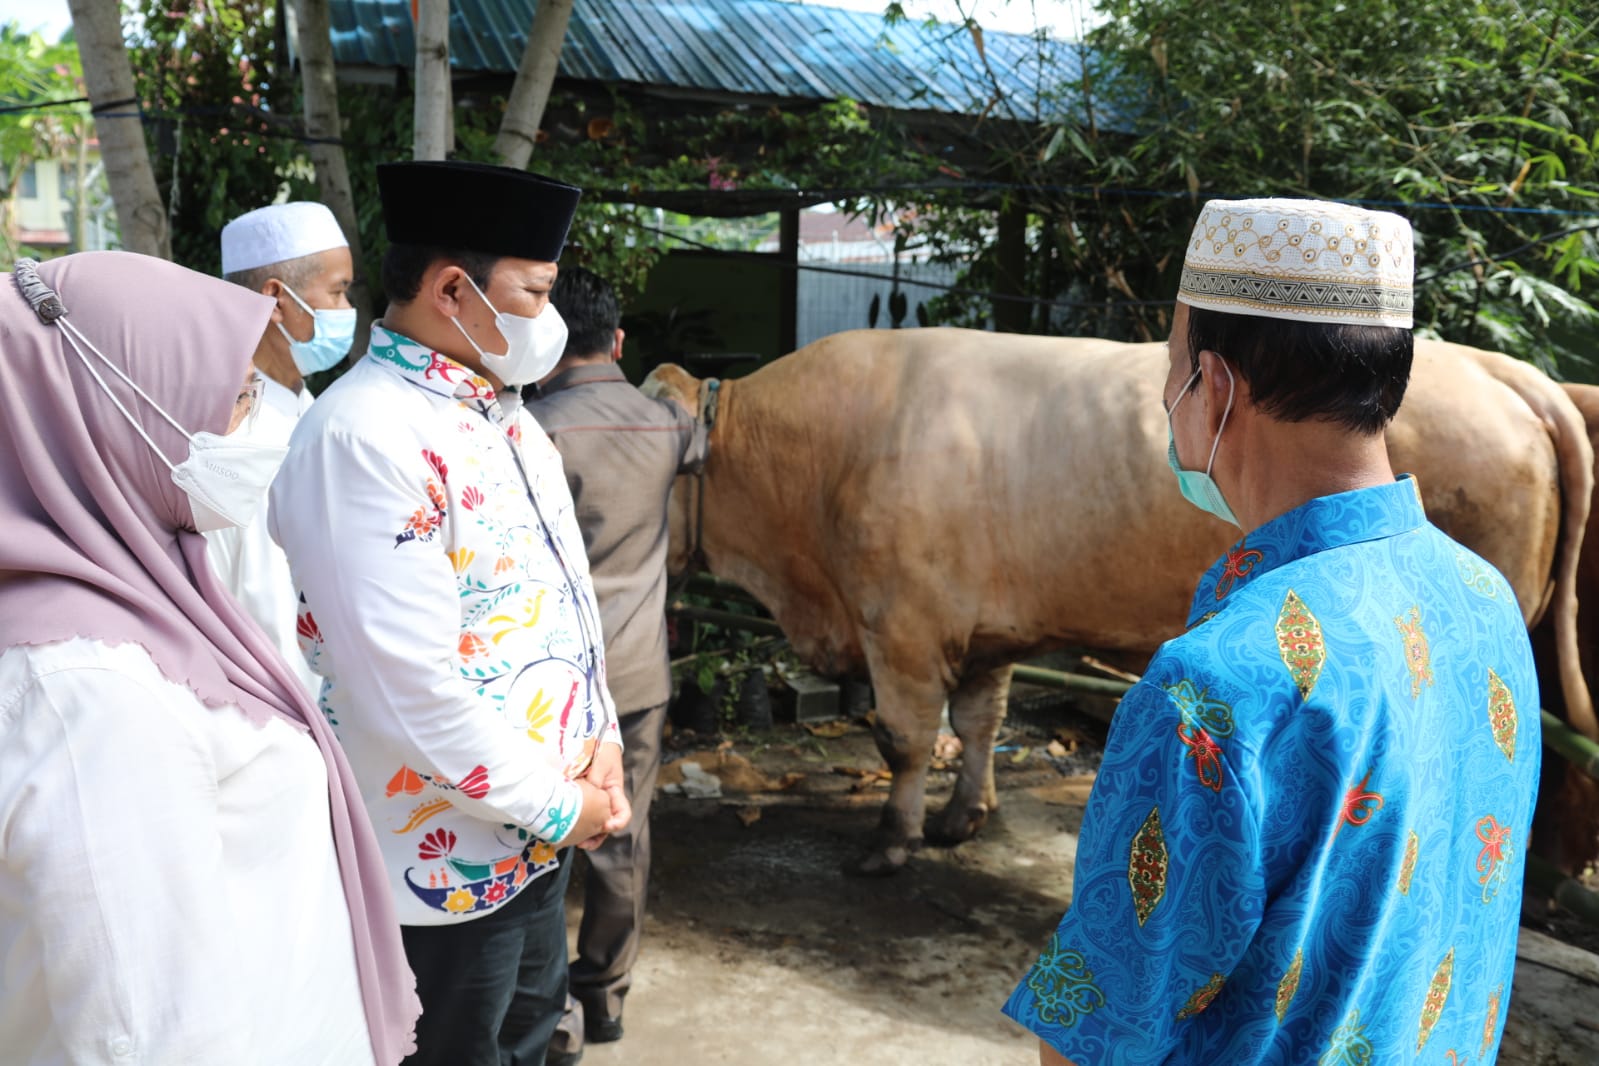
column 907, row 722
column 976, row 709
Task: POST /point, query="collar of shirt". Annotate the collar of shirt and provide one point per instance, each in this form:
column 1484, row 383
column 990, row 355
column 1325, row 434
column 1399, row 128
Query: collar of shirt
column 583, row 374
column 1323, row 523
column 439, row 374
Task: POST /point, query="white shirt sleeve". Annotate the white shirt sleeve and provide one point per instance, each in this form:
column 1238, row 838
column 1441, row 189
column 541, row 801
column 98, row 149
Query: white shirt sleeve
column 108, row 823
column 389, row 615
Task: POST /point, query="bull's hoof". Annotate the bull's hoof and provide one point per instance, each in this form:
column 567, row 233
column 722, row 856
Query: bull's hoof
column 957, row 825
column 882, row 862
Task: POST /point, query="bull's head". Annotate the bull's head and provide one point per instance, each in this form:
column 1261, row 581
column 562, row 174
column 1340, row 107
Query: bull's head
column 672, row 383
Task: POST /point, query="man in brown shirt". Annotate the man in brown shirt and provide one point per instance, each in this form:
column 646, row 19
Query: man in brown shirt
column 622, row 451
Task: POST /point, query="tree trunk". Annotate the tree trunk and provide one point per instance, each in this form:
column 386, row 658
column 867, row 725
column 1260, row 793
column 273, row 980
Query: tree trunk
column 80, row 193
column 432, row 80
column 531, row 90
column 140, row 213
column 313, row 37
column 1011, row 316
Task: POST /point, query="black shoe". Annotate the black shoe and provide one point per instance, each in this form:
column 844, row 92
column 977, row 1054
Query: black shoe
column 598, row 1030
column 563, row 1058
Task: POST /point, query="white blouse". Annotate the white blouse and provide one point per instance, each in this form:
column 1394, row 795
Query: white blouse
column 169, row 892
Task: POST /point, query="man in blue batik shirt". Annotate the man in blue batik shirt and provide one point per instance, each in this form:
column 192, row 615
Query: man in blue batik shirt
column 1305, row 843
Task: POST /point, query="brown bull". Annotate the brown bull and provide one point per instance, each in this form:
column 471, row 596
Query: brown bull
column 1568, row 822
column 931, row 506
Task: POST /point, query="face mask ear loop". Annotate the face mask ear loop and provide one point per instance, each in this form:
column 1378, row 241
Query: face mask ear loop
column 134, row 422
column 1231, row 385
column 498, row 355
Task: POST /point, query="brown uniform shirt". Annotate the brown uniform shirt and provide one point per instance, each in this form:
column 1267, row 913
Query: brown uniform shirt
column 622, row 451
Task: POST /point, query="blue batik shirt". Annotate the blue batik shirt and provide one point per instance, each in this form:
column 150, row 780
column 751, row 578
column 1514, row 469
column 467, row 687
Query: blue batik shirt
column 1305, row 843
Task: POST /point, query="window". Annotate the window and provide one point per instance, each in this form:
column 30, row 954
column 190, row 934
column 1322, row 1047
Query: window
column 28, row 183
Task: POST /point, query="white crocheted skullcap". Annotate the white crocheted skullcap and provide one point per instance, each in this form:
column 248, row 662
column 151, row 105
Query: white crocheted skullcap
column 1308, row 260
column 278, row 233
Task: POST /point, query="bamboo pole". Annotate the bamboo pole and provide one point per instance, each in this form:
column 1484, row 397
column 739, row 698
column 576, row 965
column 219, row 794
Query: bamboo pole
column 1571, row 745
column 1566, row 891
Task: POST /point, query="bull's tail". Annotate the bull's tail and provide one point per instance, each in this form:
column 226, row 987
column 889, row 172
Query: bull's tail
column 1574, row 453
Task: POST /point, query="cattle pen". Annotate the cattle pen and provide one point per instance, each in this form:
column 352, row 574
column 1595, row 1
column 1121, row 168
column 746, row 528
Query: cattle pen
column 1576, row 750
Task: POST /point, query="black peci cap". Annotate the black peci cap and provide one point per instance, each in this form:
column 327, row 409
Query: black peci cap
column 475, row 207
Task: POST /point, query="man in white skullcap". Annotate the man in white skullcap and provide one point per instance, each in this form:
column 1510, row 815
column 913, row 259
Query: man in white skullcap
column 1305, row 842
column 296, row 254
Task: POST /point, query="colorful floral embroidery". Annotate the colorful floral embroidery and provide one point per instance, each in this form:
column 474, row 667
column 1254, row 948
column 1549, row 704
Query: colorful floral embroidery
column 1407, row 868
column 1502, row 715
column 1146, row 866
column 1240, row 561
column 1494, row 858
column 1490, row 1024
column 1432, row 1008
column 1359, row 805
column 471, row 646
column 1288, row 987
column 1300, row 642
column 460, row 559
column 405, row 780
column 1063, row 985
column 1349, row 1045
column 1418, row 658
column 471, row 498
column 1202, row 998
column 460, row 901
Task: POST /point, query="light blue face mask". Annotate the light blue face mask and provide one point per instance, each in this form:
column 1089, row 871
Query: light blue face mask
column 1199, row 488
column 332, row 334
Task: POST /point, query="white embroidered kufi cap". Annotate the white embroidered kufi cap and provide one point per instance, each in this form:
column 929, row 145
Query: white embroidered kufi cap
column 278, row 233
column 1308, row 260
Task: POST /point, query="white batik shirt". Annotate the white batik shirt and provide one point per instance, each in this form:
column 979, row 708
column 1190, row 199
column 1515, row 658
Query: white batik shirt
column 446, row 602
column 245, row 558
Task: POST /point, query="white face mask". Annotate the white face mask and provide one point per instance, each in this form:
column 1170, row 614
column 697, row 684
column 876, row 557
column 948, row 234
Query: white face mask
column 532, row 345
column 226, row 479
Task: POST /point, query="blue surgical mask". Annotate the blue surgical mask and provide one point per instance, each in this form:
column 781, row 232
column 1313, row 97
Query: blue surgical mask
column 331, row 336
column 1199, row 488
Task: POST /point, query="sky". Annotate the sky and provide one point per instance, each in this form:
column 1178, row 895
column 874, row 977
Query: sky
column 1060, row 17
column 49, row 16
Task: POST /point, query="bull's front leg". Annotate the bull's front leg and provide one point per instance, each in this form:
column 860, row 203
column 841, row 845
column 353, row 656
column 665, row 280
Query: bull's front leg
column 976, row 709
column 908, row 707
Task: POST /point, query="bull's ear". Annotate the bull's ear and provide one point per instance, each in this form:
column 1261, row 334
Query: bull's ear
column 670, row 381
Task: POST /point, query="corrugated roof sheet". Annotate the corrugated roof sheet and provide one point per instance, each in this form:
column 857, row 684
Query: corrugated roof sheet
column 762, row 48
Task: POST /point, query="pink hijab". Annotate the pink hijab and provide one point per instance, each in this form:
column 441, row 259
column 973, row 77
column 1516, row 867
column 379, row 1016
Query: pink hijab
column 97, row 540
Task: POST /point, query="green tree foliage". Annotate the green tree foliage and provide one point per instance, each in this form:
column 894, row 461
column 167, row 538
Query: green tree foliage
column 1479, row 121
column 33, row 71
column 221, row 127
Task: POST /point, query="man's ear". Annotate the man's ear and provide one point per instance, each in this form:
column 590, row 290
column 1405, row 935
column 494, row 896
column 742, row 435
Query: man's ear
column 445, row 289
column 274, row 288
column 616, row 346
column 1222, row 386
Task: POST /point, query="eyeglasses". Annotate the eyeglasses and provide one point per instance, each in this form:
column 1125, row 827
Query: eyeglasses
column 247, row 403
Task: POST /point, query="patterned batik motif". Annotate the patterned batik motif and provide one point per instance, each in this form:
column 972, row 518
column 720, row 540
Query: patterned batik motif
column 1288, row 987
column 1493, row 861
column 1240, row 561
column 1502, row 715
column 1359, row 805
column 1349, row 1045
column 1146, row 866
column 1300, row 642
column 1432, row 1007
column 1476, row 575
column 1407, row 868
column 1203, row 997
column 1204, row 721
column 1490, row 1024
column 1418, row 659
column 1063, row 985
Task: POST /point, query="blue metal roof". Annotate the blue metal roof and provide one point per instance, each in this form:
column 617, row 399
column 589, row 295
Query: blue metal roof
column 760, row 48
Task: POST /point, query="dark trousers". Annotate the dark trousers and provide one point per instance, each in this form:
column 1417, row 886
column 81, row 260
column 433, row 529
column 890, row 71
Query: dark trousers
column 493, row 989
column 615, row 888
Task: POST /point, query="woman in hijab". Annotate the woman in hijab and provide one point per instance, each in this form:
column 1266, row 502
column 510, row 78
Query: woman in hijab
column 186, row 871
